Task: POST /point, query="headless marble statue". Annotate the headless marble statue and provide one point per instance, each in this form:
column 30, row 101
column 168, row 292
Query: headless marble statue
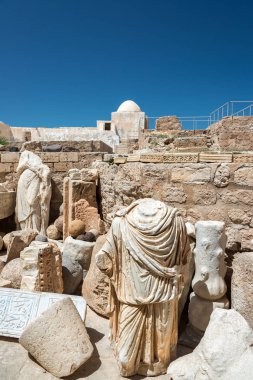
column 33, row 193
column 143, row 257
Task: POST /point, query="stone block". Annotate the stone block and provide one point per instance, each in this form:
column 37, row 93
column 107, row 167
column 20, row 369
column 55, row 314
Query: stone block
column 78, row 250
column 61, row 166
column 239, row 216
column 200, row 310
column 215, row 157
column 149, row 157
column 19, row 308
column 242, row 285
column 246, row 239
column 174, row 194
column 191, row 174
column 244, row 176
column 204, row 197
column 10, row 157
column 68, row 156
column 7, row 203
column 120, row 160
column 50, row 157
column 168, row 123
column 180, row 157
column 17, row 241
column 244, row 158
column 133, row 158
column 58, row 339
column 5, row 168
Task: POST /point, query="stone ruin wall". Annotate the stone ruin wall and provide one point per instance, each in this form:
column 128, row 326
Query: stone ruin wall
column 59, row 163
column 201, row 190
column 228, row 135
column 194, row 188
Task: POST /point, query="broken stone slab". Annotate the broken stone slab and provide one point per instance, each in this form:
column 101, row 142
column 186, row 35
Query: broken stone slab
column 16, row 241
column 225, row 352
column 18, row 308
column 58, row 339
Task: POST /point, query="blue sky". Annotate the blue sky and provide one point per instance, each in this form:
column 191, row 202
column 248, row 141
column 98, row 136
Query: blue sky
column 71, row 62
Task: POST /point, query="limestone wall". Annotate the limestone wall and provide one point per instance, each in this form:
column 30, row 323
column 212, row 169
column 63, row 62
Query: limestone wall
column 233, row 133
column 202, row 191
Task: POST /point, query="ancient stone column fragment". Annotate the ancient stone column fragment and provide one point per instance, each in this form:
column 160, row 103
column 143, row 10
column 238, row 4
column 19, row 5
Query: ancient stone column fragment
column 42, row 268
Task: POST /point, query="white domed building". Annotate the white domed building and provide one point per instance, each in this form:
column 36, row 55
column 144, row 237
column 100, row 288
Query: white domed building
column 127, row 122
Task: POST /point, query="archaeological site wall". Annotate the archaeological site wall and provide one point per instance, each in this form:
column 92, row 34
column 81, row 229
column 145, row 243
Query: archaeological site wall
column 58, row 162
column 201, row 190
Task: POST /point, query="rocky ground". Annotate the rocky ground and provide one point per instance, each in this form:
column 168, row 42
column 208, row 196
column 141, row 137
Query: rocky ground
column 17, row 364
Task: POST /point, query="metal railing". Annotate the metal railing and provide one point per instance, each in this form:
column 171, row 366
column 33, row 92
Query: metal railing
column 231, row 108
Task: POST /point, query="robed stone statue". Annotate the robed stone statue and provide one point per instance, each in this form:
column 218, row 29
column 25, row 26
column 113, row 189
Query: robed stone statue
column 143, row 256
column 33, row 193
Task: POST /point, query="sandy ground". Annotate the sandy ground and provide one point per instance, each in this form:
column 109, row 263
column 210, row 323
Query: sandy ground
column 17, row 364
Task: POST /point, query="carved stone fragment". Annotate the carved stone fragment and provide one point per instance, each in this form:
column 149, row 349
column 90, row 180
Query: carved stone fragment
column 42, row 268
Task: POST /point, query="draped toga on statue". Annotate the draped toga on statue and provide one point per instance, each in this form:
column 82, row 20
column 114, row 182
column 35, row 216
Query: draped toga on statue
column 143, row 255
column 33, row 193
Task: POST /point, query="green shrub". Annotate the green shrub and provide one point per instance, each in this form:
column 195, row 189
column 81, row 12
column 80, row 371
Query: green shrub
column 3, row 141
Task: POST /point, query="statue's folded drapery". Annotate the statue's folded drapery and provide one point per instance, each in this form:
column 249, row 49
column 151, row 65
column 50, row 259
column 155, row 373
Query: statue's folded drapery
column 33, row 193
column 145, row 249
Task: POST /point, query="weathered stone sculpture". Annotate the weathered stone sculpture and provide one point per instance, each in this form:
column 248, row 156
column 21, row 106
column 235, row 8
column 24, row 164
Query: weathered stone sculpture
column 208, row 284
column 143, row 257
column 33, row 193
column 225, row 352
column 210, row 268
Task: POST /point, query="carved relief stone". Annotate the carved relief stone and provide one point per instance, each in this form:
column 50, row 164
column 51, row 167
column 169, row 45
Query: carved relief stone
column 18, row 308
column 42, row 268
column 180, row 157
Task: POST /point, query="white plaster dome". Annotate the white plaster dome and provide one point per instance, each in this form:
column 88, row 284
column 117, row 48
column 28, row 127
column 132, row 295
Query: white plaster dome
column 129, row 106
